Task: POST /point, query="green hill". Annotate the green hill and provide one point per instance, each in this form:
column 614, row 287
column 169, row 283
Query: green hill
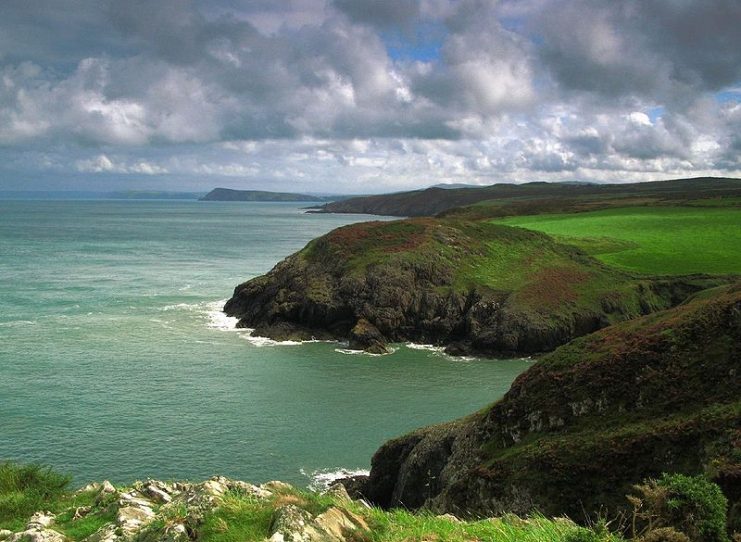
column 476, row 287
column 657, row 394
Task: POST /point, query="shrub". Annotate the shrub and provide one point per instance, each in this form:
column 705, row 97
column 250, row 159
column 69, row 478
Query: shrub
column 692, row 505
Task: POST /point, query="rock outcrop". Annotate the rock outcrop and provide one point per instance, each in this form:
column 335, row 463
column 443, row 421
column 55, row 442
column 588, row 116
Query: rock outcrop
column 474, row 287
column 658, row 394
column 181, row 511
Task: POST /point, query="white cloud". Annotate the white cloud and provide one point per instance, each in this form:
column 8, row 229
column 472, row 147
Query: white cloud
column 307, row 91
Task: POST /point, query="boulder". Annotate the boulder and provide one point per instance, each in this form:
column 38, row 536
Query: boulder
column 365, row 336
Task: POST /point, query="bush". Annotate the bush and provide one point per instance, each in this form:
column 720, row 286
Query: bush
column 692, row 505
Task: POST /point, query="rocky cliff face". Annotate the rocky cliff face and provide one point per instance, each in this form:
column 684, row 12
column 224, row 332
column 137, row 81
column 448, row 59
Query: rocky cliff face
column 474, row 287
column 658, row 394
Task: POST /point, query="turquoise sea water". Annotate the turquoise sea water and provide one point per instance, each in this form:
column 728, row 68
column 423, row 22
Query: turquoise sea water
column 116, row 363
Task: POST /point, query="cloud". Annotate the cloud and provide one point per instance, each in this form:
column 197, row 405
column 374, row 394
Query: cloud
column 410, row 92
column 103, row 164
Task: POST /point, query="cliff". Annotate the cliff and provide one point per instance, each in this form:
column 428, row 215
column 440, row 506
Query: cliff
column 657, row 394
column 474, row 287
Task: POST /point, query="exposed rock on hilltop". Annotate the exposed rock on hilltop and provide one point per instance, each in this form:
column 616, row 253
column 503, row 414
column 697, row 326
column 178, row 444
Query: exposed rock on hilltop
column 661, row 393
column 476, row 287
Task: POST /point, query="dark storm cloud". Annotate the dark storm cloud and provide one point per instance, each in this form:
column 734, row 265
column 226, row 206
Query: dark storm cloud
column 381, row 13
column 663, row 49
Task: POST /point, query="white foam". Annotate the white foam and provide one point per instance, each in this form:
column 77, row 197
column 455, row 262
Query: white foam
column 427, row 347
column 183, row 307
column 320, row 480
column 350, row 352
column 217, row 319
column 264, row 341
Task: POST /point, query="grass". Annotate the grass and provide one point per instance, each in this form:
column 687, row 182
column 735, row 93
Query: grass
column 245, row 518
column 403, row 526
column 25, row 489
column 653, row 240
column 241, row 517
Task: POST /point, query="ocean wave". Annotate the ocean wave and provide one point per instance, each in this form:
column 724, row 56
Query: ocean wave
column 320, row 480
column 264, row 341
column 350, row 352
column 18, row 323
column 217, row 319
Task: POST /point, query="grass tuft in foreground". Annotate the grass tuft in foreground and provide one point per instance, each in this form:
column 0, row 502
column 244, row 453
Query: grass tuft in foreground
column 25, row 489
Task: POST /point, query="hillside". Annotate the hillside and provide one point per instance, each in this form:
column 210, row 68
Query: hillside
column 657, row 394
column 35, row 506
column 227, row 194
column 474, row 287
column 533, row 198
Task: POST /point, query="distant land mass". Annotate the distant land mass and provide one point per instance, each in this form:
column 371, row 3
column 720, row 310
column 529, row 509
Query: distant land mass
column 153, row 194
column 548, row 197
column 228, row 194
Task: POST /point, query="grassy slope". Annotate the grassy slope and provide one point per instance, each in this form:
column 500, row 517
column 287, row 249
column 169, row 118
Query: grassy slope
column 631, row 397
column 244, row 518
column 539, row 275
column 656, row 240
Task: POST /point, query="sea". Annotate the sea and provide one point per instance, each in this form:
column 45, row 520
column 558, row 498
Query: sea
column 117, row 363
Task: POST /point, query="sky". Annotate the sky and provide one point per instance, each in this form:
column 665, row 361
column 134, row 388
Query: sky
column 364, row 96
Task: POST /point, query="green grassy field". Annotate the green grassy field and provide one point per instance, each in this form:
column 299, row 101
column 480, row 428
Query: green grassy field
column 656, row 240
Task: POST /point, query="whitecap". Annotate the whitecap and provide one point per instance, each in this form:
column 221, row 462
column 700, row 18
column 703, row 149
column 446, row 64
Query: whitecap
column 264, row 341
column 427, row 347
column 320, row 480
column 218, row 319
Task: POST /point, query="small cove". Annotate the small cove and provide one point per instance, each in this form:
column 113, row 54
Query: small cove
column 116, row 364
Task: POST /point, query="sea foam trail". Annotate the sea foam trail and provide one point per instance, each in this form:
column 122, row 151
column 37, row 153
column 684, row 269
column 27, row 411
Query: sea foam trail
column 218, row 320
column 320, row 480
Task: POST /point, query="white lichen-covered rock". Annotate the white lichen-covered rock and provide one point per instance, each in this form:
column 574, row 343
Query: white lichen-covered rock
column 133, row 518
column 250, row 489
column 157, row 495
column 215, row 487
column 293, row 524
column 5, row 533
column 335, row 523
column 175, row 533
column 37, row 535
column 40, row 520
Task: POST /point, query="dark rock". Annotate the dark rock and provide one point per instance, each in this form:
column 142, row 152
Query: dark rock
column 365, row 336
column 354, row 485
